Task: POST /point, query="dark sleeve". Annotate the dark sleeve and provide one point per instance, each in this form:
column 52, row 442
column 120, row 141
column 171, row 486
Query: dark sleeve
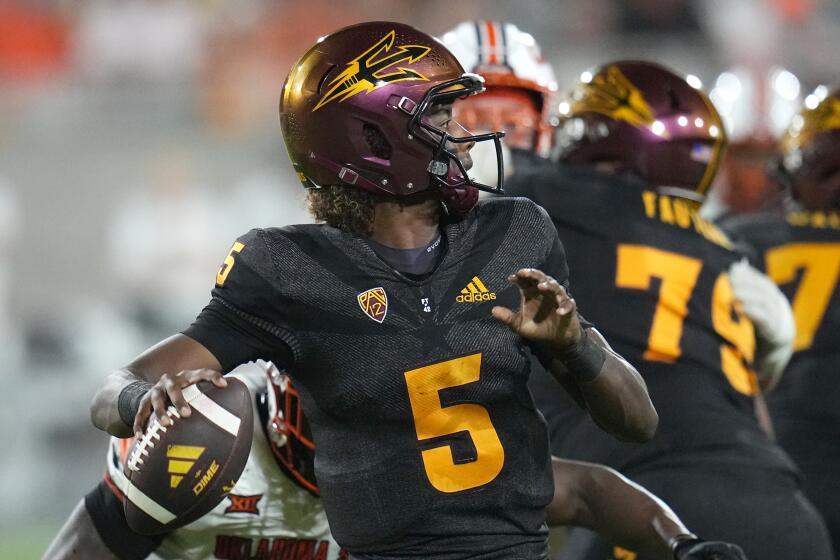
column 555, row 265
column 106, row 512
column 244, row 321
column 237, row 338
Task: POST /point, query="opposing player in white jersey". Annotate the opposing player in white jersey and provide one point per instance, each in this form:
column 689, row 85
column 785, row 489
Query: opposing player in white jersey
column 273, row 511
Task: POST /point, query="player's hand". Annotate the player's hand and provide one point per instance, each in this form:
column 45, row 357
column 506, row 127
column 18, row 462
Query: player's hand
column 698, row 549
column 546, row 312
column 169, row 389
column 764, row 303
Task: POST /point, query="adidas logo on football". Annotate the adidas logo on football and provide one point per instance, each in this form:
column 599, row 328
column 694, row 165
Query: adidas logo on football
column 475, row 292
column 181, row 460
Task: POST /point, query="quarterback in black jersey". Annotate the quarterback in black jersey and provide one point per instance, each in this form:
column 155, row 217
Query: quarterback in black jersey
column 800, row 250
column 639, row 146
column 412, row 368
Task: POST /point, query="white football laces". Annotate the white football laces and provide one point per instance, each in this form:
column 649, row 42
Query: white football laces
column 141, row 449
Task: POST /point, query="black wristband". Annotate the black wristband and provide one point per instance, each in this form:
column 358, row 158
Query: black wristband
column 129, row 400
column 679, row 543
column 584, row 359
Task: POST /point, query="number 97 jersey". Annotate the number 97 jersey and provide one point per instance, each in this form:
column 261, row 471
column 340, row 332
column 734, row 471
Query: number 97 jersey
column 653, row 275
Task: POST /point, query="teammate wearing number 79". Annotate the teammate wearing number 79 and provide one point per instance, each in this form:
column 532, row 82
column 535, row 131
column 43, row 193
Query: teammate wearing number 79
column 396, row 315
column 638, row 147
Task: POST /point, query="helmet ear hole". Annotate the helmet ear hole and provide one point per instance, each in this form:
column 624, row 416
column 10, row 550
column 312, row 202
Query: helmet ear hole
column 376, row 141
column 324, row 78
column 674, row 100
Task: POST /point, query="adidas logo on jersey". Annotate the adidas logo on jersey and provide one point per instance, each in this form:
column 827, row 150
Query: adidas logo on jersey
column 475, row 292
column 181, row 460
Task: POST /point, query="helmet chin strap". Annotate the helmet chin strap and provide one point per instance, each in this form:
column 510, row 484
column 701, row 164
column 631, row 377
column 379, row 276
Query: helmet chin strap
column 458, row 201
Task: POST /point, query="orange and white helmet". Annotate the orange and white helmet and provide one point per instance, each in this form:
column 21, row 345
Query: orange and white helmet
column 519, row 83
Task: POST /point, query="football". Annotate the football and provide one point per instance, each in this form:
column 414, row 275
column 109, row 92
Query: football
column 178, row 473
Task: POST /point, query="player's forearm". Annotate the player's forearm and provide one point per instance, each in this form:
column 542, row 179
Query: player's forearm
column 618, row 401
column 621, row 511
column 177, row 353
column 616, row 398
column 104, row 408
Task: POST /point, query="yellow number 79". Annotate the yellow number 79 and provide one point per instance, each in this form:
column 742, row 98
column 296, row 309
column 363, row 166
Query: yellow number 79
column 638, row 264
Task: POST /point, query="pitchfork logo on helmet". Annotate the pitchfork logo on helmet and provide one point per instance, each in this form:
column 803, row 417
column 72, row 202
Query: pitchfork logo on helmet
column 365, row 74
column 614, row 96
column 823, row 117
column 809, row 152
column 362, row 108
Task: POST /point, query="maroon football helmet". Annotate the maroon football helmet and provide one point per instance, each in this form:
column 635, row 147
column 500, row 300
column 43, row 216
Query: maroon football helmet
column 642, row 118
column 288, row 431
column 809, row 152
column 355, row 108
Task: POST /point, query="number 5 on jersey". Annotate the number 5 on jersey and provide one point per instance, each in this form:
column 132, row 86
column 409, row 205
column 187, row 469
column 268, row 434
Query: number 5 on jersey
column 432, row 420
column 227, row 265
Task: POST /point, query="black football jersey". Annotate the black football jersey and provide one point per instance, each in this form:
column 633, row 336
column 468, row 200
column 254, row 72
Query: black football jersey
column 652, row 275
column 800, row 251
column 428, row 441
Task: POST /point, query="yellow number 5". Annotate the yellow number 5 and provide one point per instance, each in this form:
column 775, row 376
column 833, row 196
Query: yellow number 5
column 224, row 270
column 432, row 420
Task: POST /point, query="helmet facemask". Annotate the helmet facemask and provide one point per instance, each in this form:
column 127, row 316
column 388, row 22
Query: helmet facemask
column 288, row 431
column 446, row 170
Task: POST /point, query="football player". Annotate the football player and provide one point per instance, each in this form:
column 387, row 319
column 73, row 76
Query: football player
column 519, row 96
column 639, row 146
column 396, row 314
column 519, row 90
column 273, row 511
column 800, row 250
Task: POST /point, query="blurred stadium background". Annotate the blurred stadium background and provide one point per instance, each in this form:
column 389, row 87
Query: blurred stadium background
column 139, row 137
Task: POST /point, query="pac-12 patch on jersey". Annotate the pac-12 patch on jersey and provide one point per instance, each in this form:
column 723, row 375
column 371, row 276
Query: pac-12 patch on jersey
column 374, row 303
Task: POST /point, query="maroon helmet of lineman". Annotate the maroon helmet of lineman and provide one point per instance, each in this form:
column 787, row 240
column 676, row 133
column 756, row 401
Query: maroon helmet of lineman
column 641, row 118
column 354, row 111
column 809, row 152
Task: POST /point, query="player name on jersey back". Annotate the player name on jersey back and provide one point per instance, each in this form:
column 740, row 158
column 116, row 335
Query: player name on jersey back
column 682, row 213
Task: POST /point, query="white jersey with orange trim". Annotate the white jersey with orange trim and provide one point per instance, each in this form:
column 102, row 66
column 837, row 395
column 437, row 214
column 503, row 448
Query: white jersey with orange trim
column 266, row 515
